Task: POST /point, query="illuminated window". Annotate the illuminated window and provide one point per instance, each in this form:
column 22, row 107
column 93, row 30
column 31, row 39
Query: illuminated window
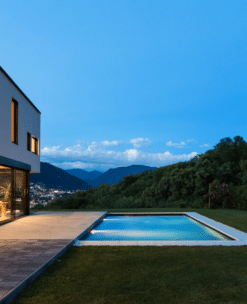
column 14, row 121
column 35, row 145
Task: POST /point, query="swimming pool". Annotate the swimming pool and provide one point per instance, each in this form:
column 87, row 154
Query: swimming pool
column 160, row 229
column 152, row 228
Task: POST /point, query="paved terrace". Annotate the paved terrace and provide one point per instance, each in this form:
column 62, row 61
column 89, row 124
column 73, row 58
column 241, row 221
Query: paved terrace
column 31, row 244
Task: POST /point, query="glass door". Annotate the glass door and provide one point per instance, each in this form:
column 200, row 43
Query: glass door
column 14, row 193
column 5, row 193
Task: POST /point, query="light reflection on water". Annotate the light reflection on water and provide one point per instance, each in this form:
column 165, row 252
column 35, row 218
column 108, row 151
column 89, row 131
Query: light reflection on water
column 151, row 228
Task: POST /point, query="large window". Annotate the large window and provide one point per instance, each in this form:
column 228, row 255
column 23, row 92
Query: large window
column 14, row 121
column 35, row 145
column 14, row 193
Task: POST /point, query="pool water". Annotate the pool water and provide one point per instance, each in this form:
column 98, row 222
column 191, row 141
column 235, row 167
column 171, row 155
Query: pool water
column 152, row 228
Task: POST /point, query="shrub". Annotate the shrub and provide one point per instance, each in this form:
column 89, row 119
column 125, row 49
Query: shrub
column 182, row 205
column 149, row 204
column 226, row 203
column 198, row 203
column 240, row 201
column 217, row 195
column 196, row 206
column 124, row 202
column 92, row 207
column 138, row 203
column 38, row 207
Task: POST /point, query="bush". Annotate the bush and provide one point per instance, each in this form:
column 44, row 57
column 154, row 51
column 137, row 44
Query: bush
column 92, row 207
column 138, row 203
column 217, row 194
column 161, row 204
column 182, row 205
column 70, row 202
column 198, row 203
column 196, row 206
column 240, row 201
column 149, row 204
column 227, row 203
column 124, row 203
column 80, row 194
column 38, row 207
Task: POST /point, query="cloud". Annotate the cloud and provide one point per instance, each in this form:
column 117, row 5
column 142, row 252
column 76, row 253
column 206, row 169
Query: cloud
column 141, row 142
column 54, row 148
column 95, row 155
column 205, row 145
column 131, row 154
column 178, row 146
column 182, row 144
column 113, row 143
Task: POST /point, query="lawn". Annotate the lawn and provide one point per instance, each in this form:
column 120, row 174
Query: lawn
column 210, row 274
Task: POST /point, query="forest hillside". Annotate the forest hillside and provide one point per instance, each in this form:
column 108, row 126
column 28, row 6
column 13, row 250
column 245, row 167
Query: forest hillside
column 184, row 184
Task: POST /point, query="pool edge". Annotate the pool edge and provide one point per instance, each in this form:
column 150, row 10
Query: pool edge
column 239, row 238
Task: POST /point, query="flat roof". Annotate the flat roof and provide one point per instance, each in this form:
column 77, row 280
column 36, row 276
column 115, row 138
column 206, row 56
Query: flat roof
column 11, row 80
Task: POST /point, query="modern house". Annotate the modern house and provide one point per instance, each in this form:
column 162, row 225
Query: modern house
column 19, row 148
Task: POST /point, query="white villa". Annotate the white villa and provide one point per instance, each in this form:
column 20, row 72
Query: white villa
column 19, row 148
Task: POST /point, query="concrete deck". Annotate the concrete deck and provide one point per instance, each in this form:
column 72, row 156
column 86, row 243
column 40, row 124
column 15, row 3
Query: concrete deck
column 31, row 244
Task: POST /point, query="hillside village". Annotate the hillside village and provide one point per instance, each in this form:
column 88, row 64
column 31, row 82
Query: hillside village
column 40, row 194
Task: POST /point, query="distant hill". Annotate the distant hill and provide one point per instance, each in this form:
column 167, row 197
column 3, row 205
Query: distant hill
column 83, row 174
column 113, row 176
column 54, row 177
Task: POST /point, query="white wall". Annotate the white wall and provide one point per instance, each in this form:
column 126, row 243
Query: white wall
column 28, row 121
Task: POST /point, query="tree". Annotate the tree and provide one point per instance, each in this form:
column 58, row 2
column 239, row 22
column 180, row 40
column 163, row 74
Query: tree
column 228, row 173
column 224, row 149
column 128, row 180
column 243, row 174
column 223, row 143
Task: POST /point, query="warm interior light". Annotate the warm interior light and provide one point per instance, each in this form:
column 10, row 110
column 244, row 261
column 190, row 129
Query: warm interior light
column 33, row 144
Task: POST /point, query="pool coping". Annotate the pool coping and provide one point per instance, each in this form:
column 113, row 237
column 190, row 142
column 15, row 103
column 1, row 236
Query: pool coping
column 239, row 237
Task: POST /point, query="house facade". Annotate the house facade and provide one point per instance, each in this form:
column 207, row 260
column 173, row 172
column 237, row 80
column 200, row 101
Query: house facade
column 19, row 148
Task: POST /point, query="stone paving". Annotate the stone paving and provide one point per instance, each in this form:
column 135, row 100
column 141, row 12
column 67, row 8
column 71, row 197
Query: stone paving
column 23, row 258
column 19, row 259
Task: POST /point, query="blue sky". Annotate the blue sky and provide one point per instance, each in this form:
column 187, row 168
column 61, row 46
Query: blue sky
column 129, row 82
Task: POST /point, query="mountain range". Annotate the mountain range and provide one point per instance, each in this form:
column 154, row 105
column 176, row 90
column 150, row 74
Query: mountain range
column 54, row 177
column 74, row 179
column 83, row 174
column 114, row 176
column 111, row 176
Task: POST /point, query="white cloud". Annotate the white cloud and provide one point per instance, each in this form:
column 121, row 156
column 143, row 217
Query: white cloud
column 180, row 145
column 131, row 154
column 54, row 148
column 96, row 157
column 205, row 145
column 113, row 143
column 141, row 142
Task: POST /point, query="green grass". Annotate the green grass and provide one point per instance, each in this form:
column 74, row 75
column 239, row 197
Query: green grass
column 200, row 274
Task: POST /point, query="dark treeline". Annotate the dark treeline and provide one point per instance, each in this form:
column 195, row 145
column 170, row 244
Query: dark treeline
column 179, row 185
